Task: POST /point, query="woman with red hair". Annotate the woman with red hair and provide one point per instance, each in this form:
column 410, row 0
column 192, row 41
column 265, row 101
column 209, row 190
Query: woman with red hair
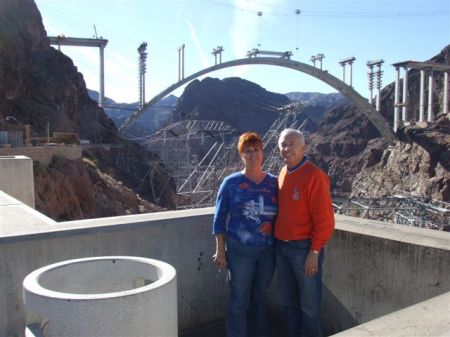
column 246, row 208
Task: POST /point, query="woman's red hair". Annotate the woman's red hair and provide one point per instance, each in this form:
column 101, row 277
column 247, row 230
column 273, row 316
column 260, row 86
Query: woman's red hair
column 249, row 139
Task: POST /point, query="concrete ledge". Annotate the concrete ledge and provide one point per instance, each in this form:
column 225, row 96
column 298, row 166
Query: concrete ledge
column 16, row 219
column 29, row 224
column 391, row 231
column 429, row 318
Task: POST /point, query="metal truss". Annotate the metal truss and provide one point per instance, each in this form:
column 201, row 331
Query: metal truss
column 400, row 209
column 200, row 153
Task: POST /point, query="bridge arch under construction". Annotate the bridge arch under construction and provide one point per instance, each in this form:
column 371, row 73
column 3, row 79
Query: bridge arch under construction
column 363, row 105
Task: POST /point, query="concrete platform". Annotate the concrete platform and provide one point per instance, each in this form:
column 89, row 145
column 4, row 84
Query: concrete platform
column 429, row 318
column 217, row 329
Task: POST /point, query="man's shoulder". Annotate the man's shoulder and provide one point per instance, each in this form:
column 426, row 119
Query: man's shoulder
column 314, row 174
column 314, row 169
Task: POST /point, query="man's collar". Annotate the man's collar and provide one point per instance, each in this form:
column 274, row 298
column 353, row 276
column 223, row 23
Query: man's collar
column 296, row 167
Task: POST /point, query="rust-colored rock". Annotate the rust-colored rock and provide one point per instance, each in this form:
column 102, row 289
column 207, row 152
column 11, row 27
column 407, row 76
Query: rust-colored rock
column 70, row 190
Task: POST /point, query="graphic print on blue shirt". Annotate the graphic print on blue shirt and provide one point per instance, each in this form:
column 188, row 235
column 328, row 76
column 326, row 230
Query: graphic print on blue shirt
column 250, row 207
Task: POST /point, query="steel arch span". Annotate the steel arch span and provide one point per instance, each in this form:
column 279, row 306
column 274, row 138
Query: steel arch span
column 363, row 105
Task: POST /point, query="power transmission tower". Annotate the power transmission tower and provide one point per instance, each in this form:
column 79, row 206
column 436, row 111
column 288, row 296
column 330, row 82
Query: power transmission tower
column 142, row 50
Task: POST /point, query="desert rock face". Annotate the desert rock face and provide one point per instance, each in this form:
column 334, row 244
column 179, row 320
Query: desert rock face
column 40, row 86
column 419, row 164
column 39, row 83
column 242, row 104
column 340, row 146
column 68, row 190
column 361, row 163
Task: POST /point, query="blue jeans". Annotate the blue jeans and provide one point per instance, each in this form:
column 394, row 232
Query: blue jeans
column 301, row 294
column 251, row 270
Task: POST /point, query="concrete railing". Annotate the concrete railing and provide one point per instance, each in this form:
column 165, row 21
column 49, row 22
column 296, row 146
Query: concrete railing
column 372, row 268
column 375, row 268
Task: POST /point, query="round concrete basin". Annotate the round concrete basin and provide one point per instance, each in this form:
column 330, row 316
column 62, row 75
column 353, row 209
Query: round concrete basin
column 105, row 296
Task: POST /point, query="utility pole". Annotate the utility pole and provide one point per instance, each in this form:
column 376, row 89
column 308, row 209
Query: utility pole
column 48, row 130
column 142, row 50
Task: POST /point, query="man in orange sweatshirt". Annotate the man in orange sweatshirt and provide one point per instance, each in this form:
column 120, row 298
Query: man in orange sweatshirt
column 304, row 224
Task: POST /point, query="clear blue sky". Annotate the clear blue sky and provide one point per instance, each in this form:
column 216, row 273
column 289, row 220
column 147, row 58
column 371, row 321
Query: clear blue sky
column 393, row 30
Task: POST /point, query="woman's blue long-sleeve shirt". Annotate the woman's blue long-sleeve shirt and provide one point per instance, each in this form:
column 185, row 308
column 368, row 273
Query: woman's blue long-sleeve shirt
column 251, row 209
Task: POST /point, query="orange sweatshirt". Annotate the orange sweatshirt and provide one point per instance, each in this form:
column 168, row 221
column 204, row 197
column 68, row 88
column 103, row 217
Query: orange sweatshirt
column 305, row 209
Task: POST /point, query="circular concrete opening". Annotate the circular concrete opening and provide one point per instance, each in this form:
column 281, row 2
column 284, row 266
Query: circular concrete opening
column 105, row 296
column 99, row 277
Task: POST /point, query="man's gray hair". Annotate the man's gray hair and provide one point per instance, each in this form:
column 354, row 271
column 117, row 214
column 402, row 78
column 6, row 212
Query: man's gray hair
column 290, row 131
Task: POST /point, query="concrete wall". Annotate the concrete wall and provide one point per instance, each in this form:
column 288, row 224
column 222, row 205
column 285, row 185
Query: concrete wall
column 17, row 179
column 44, row 153
column 375, row 268
column 428, row 318
column 181, row 239
column 372, row 268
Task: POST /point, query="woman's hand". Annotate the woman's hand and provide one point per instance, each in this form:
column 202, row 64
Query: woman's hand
column 220, row 258
column 266, row 228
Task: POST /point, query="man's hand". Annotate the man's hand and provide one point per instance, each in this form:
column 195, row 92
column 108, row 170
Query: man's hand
column 312, row 263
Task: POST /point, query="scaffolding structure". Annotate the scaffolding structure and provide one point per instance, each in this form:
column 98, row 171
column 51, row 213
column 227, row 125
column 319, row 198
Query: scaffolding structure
column 199, row 153
column 400, row 209
column 288, row 118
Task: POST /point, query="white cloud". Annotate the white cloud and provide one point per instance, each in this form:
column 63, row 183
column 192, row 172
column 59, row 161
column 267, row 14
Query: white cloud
column 198, row 45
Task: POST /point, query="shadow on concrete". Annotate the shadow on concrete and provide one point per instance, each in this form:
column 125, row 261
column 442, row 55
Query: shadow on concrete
column 217, row 328
column 214, row 329
column 336, row 317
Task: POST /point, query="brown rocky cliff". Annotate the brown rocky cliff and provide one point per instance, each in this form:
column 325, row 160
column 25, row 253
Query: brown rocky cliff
column 18, row 37
column 339, row 146
column 244, row 105
column 418, row 164
column 39, row 83
column 69, row 190
column 361, row 163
